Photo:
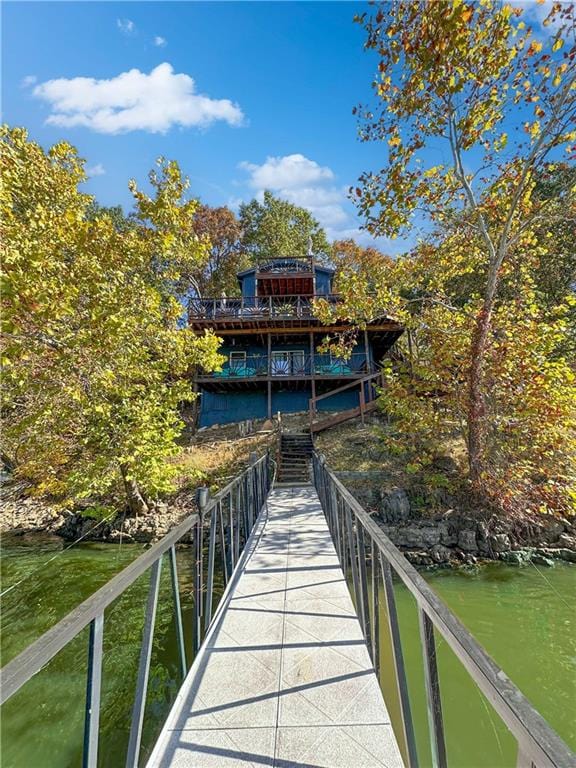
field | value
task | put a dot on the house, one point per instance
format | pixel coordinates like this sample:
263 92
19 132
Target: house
271 339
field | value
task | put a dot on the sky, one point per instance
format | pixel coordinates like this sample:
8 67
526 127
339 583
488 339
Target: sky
246 96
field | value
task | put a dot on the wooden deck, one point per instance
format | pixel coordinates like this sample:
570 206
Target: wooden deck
284 678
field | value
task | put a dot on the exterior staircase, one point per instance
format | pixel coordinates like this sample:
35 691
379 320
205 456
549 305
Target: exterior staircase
294 459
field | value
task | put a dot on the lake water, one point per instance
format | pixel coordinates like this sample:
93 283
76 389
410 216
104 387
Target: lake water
523 617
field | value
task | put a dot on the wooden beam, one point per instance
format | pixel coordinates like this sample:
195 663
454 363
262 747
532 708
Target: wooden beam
316 328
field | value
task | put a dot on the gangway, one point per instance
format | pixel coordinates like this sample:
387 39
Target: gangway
287 669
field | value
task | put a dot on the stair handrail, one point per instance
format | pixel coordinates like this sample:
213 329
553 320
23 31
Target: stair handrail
312 410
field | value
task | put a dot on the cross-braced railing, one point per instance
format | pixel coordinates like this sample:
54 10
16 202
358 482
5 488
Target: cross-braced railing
224 522
362 546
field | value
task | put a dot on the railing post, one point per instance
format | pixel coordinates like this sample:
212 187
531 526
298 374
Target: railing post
375 580
523 760
398 656
238 521
363 581
210 573
202 501
143 668
220 515
93 689
353 560
433 701
177 610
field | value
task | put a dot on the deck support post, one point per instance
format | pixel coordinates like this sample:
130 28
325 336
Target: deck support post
269 352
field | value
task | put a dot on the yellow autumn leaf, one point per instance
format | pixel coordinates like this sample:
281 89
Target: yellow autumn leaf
558 44
395 141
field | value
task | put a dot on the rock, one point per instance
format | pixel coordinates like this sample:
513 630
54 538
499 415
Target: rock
448 534
518 557
395 506
414 536
120 537
553 530
467 540
440 553
547 562
499 542
568 541
418 558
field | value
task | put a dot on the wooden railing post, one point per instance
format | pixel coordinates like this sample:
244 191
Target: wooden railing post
362 401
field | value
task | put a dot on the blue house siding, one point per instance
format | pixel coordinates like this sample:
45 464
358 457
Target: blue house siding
249 284
229 407
226 408
323 281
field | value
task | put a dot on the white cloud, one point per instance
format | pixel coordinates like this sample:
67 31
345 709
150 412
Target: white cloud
303 182
126 26
288 172
96 170
160 42
134 101
28 81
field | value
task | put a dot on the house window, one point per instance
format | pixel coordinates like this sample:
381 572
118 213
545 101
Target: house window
237 359
280 363
288 362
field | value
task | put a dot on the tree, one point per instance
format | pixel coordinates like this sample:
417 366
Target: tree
94 363
226 256
347 256
275 227
114 213
461 74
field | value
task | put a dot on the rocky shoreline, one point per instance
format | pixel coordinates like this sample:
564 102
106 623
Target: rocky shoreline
456 538
443 540
24 516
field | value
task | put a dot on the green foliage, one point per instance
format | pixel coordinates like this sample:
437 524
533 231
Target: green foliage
97 512
94 362
451 76
274 227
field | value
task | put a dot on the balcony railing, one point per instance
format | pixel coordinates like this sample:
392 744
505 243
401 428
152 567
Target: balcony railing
293 364
255 307
294 264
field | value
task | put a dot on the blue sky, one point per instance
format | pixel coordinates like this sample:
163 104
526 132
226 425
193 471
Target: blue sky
245 95
280 80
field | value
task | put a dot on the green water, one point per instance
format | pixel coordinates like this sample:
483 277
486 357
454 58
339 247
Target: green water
523 617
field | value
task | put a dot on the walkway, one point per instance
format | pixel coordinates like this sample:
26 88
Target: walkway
284 678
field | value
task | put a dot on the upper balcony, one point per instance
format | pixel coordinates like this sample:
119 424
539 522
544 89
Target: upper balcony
255 311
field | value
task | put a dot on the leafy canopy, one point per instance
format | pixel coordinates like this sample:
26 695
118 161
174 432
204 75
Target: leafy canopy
94 361
276 227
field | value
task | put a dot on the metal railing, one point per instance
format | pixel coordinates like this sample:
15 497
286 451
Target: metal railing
294 364
257 307
361 546
288 264
227 518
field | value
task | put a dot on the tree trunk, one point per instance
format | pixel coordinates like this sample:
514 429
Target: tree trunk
136 502
476 403
476 399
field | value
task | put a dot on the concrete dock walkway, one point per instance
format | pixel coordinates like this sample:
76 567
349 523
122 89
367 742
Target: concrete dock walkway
284 678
